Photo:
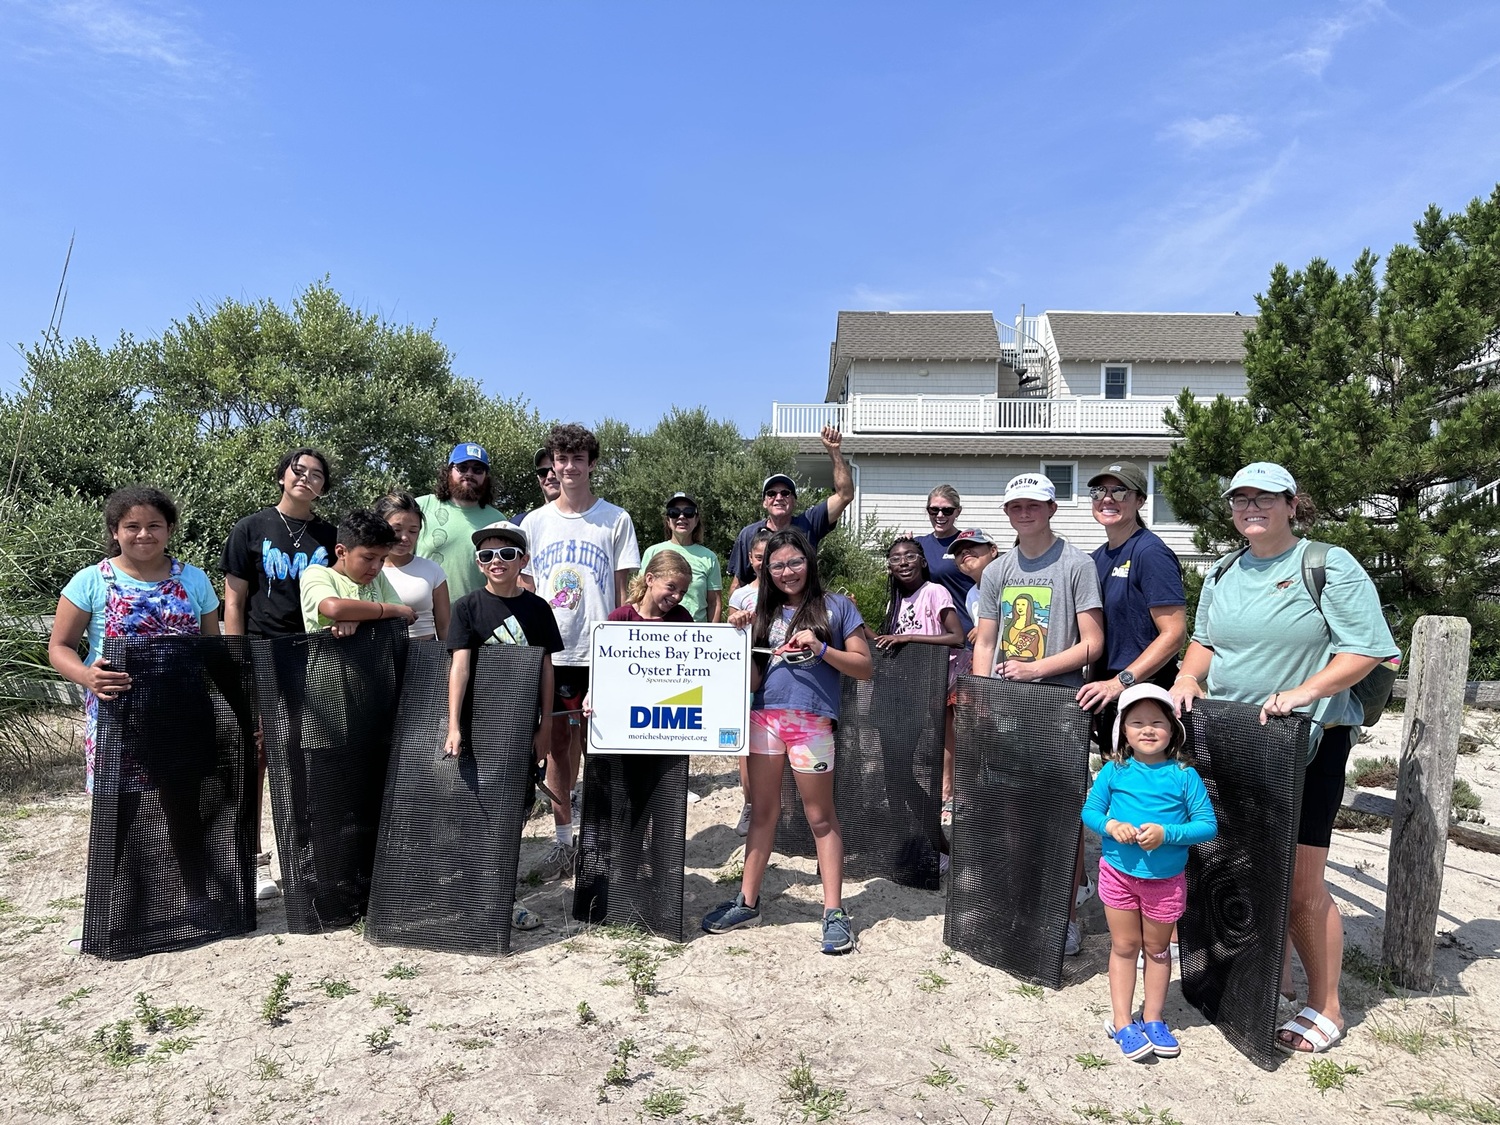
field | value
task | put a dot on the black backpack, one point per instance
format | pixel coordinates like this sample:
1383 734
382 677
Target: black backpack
1374 691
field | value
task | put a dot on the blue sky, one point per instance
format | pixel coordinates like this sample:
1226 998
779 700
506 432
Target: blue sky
614 208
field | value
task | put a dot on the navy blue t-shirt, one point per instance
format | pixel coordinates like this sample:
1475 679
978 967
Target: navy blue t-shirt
813 523
945 573
1134 578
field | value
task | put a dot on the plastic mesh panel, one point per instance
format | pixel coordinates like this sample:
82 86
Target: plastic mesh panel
1239 884
450 833
631 848
328 708
1020 775
888 771
172 836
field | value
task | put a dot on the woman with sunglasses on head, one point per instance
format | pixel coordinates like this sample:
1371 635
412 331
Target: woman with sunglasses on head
807 640
1259 638
683 522
419 583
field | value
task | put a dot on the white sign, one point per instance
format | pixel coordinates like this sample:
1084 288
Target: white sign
661 688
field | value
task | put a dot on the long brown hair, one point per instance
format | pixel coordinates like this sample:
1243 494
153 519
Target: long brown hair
811 614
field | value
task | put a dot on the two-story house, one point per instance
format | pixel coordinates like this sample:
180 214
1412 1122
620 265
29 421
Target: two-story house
929 398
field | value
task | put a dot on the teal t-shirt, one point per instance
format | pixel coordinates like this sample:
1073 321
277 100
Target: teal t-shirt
707 574
447 539
1268 636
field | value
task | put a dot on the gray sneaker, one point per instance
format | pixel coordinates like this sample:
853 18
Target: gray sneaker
743 827
556 864
731 916
1073 942
838 931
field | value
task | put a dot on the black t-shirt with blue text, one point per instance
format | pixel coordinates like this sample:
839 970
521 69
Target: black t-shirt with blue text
270 551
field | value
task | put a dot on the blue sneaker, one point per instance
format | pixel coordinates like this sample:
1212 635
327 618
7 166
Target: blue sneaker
1132 1042
838 931
730 916
1160 1036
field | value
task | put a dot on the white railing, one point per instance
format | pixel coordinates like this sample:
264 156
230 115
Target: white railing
1031 328
973 414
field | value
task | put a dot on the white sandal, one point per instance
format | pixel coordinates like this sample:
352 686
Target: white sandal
523 919
1323 1033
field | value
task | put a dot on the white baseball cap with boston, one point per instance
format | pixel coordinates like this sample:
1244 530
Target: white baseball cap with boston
1029 486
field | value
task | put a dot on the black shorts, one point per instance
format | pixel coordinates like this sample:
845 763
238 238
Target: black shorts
1323 787
569 686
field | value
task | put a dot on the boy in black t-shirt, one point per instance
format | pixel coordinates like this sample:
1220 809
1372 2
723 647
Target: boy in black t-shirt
502 613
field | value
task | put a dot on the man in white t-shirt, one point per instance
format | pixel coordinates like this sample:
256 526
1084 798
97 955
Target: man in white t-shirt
583 552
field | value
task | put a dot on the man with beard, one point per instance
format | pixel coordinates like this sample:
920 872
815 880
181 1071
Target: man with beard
460 505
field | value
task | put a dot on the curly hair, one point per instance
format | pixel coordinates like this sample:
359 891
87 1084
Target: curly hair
573 438
121 500
893 591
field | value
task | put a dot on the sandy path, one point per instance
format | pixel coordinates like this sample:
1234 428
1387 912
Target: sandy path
895 1027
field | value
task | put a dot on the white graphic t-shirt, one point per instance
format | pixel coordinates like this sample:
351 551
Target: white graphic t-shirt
573 562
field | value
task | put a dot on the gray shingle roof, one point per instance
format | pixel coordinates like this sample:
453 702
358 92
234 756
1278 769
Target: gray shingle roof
932 336
1144 337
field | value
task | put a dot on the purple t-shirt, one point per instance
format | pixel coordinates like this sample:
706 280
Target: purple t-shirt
807 687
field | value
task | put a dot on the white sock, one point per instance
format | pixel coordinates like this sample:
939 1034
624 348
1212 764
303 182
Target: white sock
565 834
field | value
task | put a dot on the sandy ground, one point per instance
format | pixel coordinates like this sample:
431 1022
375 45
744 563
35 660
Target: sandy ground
753 1026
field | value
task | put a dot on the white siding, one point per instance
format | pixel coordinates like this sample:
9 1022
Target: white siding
899 377
1152 380
894 490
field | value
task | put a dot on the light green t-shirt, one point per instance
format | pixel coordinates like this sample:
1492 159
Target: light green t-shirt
1268 636
319 582
707 574
447 539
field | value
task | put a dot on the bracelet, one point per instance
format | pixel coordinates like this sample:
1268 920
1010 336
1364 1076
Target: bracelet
382 611
1188 676
824 652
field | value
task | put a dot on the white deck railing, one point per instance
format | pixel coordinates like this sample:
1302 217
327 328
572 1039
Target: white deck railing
973 414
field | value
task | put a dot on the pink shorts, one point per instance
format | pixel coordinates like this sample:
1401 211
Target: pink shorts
804 737
1161 900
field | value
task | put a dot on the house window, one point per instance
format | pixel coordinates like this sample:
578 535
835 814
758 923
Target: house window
1161 509
1062 474
1116 380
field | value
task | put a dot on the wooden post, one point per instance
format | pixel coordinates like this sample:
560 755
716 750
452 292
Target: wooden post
1434 718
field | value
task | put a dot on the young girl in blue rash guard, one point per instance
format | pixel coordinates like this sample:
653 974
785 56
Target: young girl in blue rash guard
1148 804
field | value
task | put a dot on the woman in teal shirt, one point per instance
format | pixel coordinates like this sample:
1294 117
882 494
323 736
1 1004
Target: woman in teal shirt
1259 638
683 523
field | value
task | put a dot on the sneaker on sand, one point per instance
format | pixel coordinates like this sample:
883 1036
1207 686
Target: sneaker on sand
731 916
838 931
1084 892
265 886
1073 942
523 919
743 827
556 864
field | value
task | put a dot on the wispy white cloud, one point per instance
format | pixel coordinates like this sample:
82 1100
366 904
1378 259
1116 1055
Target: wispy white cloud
869 297
107 27
1314 51
1440 92
1201 132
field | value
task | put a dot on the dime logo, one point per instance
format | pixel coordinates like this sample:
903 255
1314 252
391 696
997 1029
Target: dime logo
680 712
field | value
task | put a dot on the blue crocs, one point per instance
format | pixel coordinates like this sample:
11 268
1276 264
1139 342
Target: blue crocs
1132 1042
1160 1036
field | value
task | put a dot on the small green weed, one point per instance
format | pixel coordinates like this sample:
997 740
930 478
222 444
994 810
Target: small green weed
816 1103
1465 801
176 1045
336 989
947 957
276 1005
1414 1040
618 1073
675 1058
1145 1115
1091 1061
736 950
1325 1074
401 971
664 1103
1486 1112
72 902
1029 991
1374 773
586 1014
945 1048
858 978
447 1119
930 981
730 874
74 997
266 1069
940 1077
1095 1112
379 1040
475 1043
1358 963
116 1042
640 967
997 1048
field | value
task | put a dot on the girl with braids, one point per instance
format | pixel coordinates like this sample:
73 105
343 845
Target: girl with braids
805 639
657 590
918 609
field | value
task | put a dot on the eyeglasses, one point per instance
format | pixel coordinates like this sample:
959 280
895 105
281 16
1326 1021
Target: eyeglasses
789 565
487 555
1116 494
940 510
681 513
780 493
313 475
903 557
1261 500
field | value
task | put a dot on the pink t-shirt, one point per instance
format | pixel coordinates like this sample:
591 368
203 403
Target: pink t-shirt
922 612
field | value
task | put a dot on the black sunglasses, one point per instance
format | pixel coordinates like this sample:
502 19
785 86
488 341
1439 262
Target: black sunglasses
681 513
778 493
939 510
544 471
487 555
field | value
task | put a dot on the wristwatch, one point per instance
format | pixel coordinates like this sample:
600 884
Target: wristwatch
1127 677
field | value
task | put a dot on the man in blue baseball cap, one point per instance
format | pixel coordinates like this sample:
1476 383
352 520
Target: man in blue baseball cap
461 504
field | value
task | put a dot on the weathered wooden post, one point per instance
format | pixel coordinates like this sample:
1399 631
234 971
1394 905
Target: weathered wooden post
1437 670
